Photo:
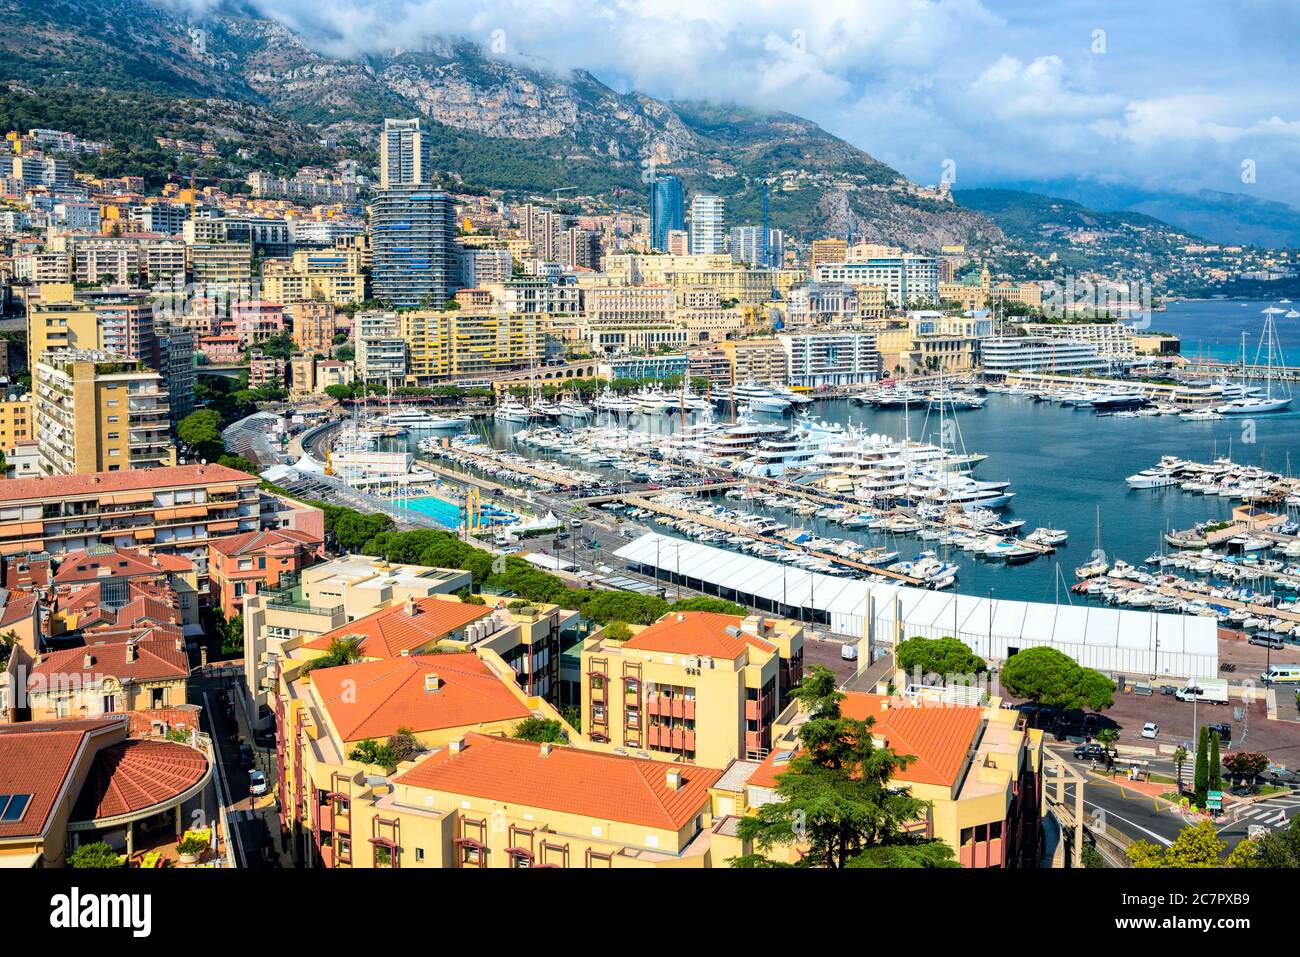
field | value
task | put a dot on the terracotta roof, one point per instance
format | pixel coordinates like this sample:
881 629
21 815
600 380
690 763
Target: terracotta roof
36 758
46 487
387 633
255 541
136 774
155 658
98 564
697 633
21 573
372 699
939 737
608 787
17 607
173 563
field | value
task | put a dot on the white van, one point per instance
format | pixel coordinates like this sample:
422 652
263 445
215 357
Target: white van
1281 674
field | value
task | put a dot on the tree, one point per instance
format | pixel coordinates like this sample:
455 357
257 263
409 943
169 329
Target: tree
1046 676
1201 776
402 746
1279 849
1216 765
618 631
92 856
1245 854
1180 759
201 431
341 651
540 730
1197 845
718 606
1247 765
1107 738
240 463
838 802
941 656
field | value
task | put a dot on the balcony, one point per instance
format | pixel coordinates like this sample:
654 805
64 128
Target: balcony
670 739
665 707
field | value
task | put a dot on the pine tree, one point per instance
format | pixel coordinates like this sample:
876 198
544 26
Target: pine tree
1201 779
1216 765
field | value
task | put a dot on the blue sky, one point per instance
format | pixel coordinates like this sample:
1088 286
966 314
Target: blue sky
1150 93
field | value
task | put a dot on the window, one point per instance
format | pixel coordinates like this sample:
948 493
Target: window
596 859
12 806
419 855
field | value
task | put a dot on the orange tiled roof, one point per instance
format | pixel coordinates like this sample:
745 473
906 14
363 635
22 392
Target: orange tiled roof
36 758
391 631
372 699
252 541
155 658
136 774
697 633
47 487
17 608
608 787
939 737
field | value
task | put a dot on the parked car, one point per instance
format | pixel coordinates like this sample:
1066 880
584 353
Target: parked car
849 651
1093 752
1223 730
256 783
1266 641
1168 689
245 756
1150 729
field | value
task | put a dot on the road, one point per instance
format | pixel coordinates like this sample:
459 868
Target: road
249 817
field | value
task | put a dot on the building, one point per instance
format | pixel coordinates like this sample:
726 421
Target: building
413 237
176 363
312 375
480 266
73 781
99 412
764 361
622 318
817 359
381 351
401 154
1110 340
331 276
240 566
222 268
700 686
978 768
667 210
58 320
172 511
909 279
445 346
499 802
828 251
264 371
15 423
323 597
1058 356
141 670
706 227
313 326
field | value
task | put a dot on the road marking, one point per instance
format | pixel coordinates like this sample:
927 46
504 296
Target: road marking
1119 817
223 793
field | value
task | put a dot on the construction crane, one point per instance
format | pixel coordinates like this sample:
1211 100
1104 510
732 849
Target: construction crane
563 189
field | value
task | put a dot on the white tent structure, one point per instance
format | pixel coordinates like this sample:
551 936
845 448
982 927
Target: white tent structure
1107 639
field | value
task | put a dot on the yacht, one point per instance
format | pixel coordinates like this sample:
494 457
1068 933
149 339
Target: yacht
759 398
955 401
1151 478
609 401
654 401
512 410
573 409
1270 350
417 419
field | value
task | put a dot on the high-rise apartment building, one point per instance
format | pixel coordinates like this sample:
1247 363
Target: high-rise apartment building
667 210
707 217
401 154
98 411
313 326
415 256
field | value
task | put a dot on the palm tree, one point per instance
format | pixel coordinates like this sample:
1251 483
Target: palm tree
1107 737
1180 758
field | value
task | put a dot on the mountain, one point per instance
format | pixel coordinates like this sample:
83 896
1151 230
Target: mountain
1225 218
1081 239
492 122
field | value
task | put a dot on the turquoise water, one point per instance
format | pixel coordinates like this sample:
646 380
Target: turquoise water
445 513
1064 463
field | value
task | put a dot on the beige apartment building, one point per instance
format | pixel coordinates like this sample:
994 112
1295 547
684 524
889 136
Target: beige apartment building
15 423
99 412
328 275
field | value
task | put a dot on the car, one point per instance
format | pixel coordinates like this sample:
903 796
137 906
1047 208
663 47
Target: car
1223 730
1150 729
1168 690
849 651
264 739
245 756
256 782
1093 752
575 523
1266 641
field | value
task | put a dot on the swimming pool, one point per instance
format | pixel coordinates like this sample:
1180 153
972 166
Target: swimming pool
449 514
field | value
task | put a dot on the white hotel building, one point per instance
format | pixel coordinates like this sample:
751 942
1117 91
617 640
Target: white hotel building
831 358
1003 354
907 279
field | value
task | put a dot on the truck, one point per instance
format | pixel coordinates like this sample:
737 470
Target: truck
1213 690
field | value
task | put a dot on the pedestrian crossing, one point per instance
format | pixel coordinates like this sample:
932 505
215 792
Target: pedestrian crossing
1272 812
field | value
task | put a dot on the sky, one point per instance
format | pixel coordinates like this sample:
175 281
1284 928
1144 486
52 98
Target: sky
1175 95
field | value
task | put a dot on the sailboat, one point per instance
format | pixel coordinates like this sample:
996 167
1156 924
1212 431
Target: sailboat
1097 565
1271 349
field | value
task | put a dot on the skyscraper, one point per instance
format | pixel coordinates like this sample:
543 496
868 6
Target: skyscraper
414 253
667 210
401 154
707 225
